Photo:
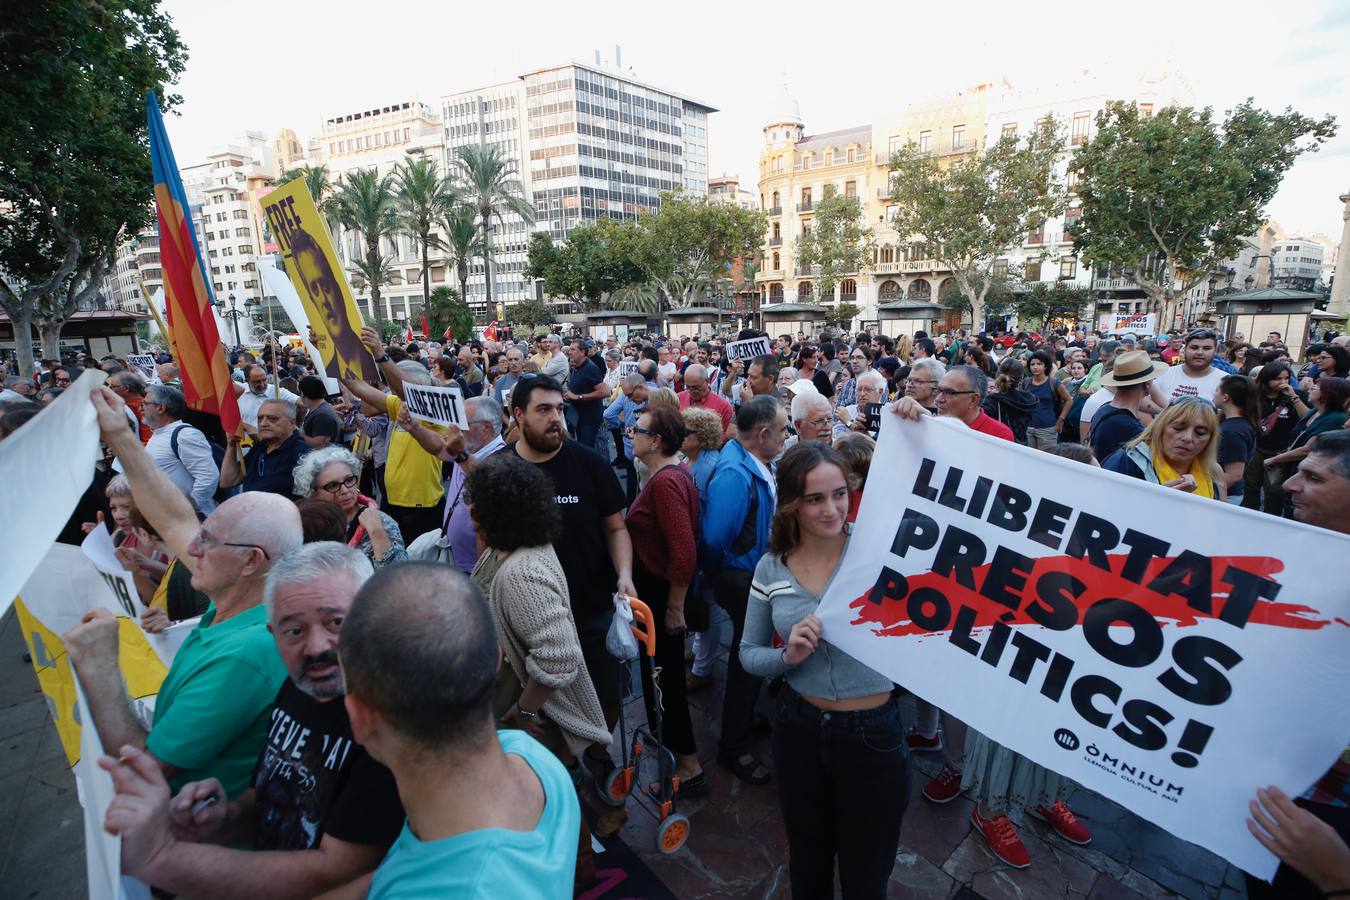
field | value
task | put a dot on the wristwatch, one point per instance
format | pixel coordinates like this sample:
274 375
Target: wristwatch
461 456
382 360
525 713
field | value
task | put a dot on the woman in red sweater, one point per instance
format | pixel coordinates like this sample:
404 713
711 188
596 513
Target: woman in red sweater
662 523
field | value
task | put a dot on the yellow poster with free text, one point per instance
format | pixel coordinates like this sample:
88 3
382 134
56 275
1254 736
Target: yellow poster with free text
312 263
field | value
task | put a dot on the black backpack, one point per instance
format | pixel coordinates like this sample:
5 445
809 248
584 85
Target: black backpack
217 454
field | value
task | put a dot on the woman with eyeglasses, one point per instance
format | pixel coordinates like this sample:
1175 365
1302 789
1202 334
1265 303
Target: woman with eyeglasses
332 474
662 523
1328 398
1280 410
1179 449
1333 361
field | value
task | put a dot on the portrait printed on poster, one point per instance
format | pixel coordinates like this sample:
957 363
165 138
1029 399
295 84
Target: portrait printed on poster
313 267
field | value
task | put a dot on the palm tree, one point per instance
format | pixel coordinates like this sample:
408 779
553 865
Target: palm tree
364 202
487 183
316 179
462 243
421 194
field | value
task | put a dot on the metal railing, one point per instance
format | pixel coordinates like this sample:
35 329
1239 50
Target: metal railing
775 210
776 242
805 207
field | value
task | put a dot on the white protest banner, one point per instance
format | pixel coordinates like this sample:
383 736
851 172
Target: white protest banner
627 367
68 582
435 404
276 283
102 851
1134 323
47 465
1141 641
748 349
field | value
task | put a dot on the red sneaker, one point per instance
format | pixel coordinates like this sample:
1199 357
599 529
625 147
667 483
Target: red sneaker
1002 839
1062 819
917 743
946 787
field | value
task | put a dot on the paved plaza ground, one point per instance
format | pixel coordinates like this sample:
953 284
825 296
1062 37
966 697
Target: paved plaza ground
736 849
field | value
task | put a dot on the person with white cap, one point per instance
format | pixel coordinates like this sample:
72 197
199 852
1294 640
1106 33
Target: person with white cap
1118 421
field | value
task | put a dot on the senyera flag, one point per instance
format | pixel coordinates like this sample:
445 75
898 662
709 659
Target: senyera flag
187 289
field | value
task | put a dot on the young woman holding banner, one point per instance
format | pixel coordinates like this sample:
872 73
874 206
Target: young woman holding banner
838 745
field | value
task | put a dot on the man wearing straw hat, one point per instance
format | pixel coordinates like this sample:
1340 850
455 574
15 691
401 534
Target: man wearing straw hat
1118 421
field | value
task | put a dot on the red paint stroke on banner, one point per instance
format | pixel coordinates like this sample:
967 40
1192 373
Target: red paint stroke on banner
893 615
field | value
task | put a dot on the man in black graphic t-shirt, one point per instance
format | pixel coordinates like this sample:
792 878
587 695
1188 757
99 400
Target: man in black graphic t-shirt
321 809
594 548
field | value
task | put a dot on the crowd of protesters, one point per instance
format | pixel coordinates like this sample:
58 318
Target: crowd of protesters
399 684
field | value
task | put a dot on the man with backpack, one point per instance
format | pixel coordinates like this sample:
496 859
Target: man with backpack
179 450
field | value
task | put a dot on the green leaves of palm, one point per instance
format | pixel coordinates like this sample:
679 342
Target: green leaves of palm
486 182
365 202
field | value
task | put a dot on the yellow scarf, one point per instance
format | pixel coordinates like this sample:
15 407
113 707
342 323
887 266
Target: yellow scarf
1204 483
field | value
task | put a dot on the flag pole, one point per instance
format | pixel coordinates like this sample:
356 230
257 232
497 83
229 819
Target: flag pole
159 319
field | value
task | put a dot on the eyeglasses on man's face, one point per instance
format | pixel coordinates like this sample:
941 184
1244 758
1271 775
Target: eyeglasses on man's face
205 542
949 393
634 429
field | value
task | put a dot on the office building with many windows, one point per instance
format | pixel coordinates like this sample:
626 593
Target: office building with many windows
588 141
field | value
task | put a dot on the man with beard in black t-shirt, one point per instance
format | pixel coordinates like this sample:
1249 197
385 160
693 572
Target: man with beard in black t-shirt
321 812
594 548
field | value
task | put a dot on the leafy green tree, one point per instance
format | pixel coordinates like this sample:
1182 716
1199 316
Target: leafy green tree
971 210
688 242
529 312
839 243
364 202
595 261
448 310
74 160
487 182
1041 303
462 242
421 195
1170 196
843 314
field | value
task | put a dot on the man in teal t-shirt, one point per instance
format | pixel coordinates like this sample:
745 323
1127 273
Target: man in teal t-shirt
211 712
490 814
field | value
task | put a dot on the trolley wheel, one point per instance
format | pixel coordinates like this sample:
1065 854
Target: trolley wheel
615 790
672 833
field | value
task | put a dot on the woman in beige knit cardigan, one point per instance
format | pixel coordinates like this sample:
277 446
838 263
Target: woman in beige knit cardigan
543 688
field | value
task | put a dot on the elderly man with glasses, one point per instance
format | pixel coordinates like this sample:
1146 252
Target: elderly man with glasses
213 708
959 395
859 361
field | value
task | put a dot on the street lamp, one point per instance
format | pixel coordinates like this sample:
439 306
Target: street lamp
234 313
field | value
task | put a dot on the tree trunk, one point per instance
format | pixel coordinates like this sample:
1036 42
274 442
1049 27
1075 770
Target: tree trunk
462 271
372 261
49 331
426 276
23 340
487 257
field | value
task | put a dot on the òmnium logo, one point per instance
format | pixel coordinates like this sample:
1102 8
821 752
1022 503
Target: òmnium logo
1066 739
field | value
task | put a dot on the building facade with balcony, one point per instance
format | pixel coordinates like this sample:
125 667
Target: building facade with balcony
795 170
743 298
951 127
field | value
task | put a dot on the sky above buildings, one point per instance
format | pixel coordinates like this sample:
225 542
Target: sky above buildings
267 65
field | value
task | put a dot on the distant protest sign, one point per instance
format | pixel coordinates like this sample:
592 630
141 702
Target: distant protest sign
435 404
1141 641
749 349
146 364
316 272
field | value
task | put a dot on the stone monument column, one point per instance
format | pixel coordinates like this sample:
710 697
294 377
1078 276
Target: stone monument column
1340 290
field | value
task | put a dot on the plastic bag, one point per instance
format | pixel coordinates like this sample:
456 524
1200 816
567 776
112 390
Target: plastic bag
620 641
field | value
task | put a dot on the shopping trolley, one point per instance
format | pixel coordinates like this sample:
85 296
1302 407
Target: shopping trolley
647 770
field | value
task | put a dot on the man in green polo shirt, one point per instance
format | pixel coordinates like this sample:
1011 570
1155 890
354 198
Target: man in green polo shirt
211 714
